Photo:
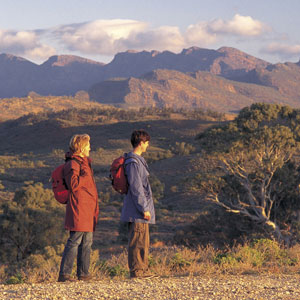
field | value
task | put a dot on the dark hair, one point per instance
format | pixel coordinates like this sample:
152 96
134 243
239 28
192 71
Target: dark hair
139 136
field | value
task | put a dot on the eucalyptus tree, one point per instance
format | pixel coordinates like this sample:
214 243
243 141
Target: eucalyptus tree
252 153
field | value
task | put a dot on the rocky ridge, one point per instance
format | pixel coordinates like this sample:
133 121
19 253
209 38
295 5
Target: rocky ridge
67 74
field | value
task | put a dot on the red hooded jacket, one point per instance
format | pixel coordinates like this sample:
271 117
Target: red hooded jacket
82 208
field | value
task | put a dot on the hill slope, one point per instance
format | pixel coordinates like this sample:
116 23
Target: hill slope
35 145
283 77
167 88
13 108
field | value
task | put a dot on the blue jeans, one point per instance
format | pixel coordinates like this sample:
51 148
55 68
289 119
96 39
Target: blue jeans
79 244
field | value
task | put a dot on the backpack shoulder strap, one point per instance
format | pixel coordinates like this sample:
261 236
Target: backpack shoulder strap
68 166
129 160
73 159
77 160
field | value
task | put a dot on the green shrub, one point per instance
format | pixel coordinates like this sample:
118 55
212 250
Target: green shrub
179 262
259 254
153 156
158 188
16 279
117 270
29 223
182 148
116 266
40 164
225 259
251 256
59 153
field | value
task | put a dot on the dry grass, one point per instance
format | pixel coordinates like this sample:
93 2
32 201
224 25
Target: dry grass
260 257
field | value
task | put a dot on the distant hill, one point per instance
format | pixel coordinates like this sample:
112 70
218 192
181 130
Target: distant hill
59 75
227 62
67 74
17 76
226 79
167 88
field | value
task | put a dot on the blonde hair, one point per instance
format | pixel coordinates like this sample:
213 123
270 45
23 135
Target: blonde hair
78 142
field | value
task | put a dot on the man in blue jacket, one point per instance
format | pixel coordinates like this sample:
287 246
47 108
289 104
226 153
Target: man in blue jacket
138 207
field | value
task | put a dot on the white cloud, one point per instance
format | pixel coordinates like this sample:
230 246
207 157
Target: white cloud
16 41
239 26
110 36
24 43
200 34
282 50
210 32
40 52
107 37
99 37
161 38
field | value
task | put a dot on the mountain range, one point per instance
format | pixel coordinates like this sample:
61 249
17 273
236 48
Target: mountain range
223 79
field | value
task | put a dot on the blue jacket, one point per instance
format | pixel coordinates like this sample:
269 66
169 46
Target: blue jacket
139 196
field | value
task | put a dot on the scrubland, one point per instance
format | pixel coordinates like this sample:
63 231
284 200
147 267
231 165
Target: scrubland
194 240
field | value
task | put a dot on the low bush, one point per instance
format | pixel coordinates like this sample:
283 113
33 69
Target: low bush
182 148
262 255
29 223
158 155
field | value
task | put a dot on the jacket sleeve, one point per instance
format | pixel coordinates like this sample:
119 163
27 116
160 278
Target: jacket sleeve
96 214
136 188
75 176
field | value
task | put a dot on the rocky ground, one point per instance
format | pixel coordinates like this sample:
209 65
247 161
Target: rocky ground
273 287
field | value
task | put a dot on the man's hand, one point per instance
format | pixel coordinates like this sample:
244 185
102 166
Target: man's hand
147 215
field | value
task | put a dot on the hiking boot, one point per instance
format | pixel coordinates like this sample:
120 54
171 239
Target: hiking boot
85 277
64 278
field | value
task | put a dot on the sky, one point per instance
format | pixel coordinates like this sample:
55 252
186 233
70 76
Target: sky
99 29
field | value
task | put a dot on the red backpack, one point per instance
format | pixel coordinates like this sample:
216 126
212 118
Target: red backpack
59 186
117 175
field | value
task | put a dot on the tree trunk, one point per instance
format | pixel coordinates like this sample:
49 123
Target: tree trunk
277 232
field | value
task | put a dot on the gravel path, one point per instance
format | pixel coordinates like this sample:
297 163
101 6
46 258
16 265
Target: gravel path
214 288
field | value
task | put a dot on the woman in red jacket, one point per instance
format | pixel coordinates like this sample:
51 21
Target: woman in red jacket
81 211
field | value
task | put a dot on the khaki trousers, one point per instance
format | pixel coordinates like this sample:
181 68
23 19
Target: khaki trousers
138 248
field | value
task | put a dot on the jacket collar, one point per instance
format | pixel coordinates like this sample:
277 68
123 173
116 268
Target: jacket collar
138 157
133 155
70 155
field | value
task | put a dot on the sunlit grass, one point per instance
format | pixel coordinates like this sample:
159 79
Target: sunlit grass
262 256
